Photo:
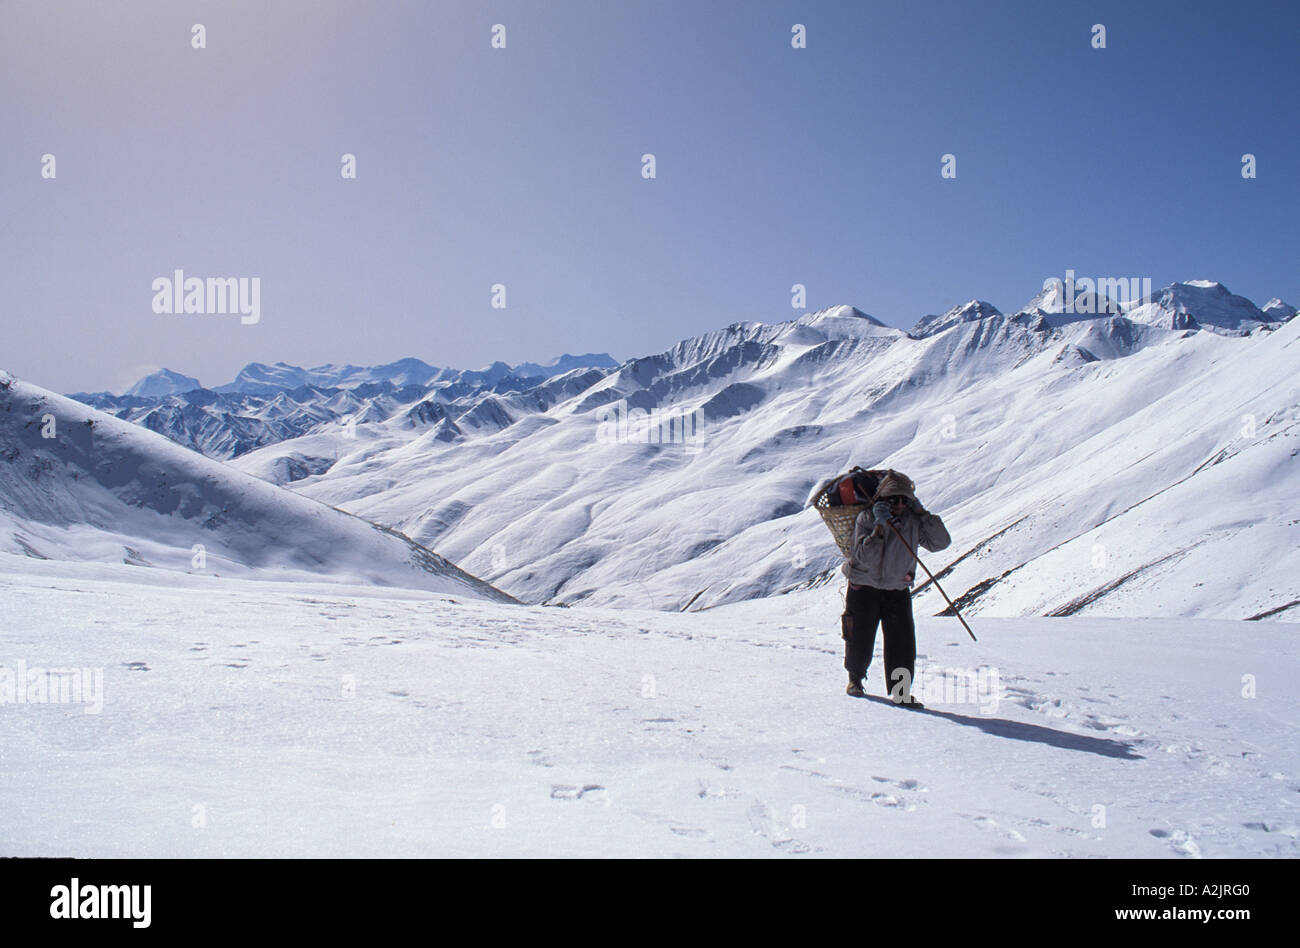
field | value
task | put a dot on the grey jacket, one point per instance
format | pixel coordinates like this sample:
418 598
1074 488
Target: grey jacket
883 562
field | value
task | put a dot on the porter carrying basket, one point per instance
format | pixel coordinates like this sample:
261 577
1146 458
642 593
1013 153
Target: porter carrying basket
840 499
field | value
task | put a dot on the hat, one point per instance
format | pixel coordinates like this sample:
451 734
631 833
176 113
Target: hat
895 484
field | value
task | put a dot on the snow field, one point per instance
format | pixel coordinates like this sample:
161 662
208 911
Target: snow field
247 718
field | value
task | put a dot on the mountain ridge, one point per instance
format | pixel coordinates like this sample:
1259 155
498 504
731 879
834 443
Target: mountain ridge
673 480
677 525
80 485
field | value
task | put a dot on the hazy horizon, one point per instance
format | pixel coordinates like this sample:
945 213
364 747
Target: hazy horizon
522 166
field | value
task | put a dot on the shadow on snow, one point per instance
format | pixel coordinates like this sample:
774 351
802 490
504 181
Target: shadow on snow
1019 731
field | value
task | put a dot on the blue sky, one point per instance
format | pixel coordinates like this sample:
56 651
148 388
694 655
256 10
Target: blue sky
522 166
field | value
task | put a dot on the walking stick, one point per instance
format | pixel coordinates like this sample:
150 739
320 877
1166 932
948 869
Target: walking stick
899 534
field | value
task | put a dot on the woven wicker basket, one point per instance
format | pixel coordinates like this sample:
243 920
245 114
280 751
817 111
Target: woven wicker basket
840 521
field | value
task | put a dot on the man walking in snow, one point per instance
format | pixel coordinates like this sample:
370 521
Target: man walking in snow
880 573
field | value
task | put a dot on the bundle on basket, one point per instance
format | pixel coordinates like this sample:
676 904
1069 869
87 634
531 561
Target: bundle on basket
840 499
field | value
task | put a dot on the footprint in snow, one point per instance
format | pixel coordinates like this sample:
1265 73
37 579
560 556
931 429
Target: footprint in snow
878 798
1180 841
805 771
136 666
763 822
886 799
988 824
564 791
1286 829
792 846
907 784
710 791
1040 823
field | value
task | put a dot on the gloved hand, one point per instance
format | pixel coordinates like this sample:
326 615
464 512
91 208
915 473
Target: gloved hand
880 512
916 506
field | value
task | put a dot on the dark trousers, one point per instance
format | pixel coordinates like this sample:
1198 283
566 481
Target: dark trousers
866 607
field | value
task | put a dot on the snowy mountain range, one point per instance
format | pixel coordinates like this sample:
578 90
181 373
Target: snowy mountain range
266 404
77 484
1126 459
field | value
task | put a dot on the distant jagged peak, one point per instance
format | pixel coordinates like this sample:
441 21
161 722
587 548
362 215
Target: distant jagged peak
839 323
1192 292
839 311
1051 299
1277 310
972 310
410 362
495 368
566 363
1199 304
259 378
967 312
1083 297
163 382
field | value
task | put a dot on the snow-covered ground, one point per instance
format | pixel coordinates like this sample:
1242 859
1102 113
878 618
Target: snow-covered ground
246 718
